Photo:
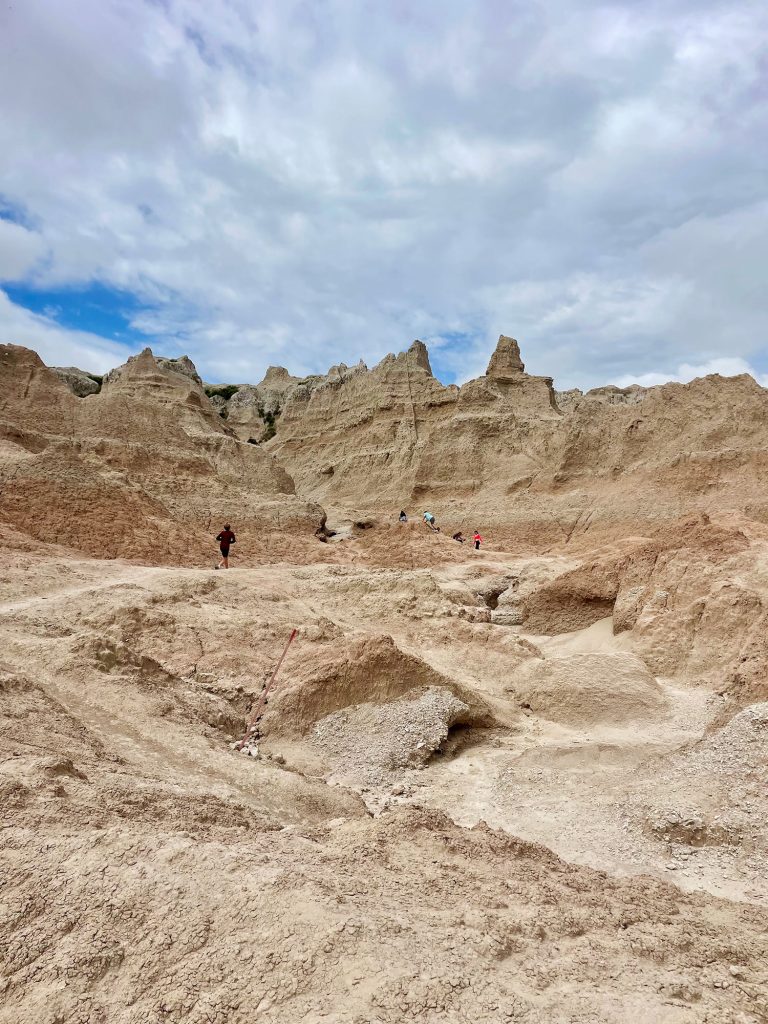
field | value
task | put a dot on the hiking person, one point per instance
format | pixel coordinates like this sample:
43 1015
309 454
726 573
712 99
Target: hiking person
403 517
477 540
459 537
226 538
429 519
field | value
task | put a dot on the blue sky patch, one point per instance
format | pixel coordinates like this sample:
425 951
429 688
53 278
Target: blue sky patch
96 308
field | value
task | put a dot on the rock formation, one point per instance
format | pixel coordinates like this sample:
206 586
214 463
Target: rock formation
183 364
539 467
503 451
252 409
79 382
505 363
522 784
144 469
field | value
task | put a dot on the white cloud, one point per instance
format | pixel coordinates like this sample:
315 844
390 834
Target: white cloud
726 367
20 250
55 345
288 182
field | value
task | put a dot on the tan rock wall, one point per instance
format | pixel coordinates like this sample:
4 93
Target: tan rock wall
500 454
145 469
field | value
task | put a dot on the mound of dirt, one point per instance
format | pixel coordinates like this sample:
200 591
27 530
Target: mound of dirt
402 546
732 805
368 671
29 716
589 689
370 745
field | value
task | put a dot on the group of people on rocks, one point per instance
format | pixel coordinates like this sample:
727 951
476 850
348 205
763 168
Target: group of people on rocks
227 538
429 521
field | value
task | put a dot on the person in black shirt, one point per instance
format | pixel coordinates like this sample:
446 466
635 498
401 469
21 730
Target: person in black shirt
225 539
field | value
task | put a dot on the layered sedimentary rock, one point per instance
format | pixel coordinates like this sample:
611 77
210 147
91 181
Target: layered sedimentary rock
354 436
146 468
183 365
396 435
252 409
506 363
502 452
609 394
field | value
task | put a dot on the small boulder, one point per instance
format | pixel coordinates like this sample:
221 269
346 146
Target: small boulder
78 381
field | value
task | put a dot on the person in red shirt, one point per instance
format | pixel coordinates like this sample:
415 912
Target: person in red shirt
476 540
226 538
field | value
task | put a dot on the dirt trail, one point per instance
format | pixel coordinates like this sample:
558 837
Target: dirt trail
121 574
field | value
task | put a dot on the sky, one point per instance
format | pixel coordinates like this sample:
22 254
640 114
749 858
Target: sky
308 182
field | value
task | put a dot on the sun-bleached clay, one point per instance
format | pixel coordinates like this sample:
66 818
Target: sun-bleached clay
589 689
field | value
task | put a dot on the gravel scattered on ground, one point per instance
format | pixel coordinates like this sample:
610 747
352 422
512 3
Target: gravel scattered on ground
376 746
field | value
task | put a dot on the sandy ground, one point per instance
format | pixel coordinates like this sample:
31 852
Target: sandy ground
151 872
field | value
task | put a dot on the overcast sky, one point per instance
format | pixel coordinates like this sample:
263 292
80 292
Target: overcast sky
304 183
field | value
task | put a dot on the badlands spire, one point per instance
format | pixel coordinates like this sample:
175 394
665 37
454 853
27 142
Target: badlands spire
505 361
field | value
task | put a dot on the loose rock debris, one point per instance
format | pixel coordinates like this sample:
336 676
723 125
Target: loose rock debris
521 784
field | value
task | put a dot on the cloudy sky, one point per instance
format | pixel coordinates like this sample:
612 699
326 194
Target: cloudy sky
305 182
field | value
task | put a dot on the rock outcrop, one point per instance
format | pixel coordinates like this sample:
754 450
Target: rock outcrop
252 410
504 451
79 382
609 394
182 364
144 469
505 363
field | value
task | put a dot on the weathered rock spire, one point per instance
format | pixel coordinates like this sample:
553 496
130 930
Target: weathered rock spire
505 361
419 355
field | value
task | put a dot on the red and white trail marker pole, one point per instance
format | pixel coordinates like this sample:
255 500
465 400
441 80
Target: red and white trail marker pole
261 702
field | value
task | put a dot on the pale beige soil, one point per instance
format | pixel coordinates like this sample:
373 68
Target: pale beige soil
524 784
152 873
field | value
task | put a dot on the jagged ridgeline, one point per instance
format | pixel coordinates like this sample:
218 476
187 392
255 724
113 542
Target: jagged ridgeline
504 451
142 467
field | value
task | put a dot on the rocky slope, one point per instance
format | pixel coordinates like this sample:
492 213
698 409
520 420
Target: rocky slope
504 454
145 468
520 784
